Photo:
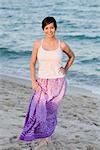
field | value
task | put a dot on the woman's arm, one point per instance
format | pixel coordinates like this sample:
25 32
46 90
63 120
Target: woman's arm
33 65
66 49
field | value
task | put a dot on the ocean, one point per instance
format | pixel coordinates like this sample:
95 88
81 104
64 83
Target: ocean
78 25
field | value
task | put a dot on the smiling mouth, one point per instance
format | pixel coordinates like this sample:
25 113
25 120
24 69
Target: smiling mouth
50 34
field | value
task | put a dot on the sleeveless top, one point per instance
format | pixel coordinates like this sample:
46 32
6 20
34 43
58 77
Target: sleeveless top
49 62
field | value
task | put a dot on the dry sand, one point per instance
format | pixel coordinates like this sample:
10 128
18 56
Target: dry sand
78 119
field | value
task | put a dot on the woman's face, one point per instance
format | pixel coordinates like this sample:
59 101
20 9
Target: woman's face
49 30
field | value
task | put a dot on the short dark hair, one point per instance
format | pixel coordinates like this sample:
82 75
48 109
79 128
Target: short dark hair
49 20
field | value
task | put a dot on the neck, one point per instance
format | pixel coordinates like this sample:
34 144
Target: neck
50 39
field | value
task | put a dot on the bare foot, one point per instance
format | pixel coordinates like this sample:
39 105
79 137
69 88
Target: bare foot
41 144
48 139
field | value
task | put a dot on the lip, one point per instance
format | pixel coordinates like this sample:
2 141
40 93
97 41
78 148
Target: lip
50 34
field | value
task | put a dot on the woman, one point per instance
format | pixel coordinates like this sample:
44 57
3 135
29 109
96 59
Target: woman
41 118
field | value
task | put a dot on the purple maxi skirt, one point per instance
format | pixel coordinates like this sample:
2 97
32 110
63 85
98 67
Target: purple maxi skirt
41 118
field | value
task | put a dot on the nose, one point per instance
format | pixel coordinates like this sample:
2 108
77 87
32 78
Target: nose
50 30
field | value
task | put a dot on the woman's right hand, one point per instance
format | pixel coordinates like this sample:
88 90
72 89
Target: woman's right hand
35 86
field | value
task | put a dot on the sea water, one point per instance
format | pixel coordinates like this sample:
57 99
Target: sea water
78 25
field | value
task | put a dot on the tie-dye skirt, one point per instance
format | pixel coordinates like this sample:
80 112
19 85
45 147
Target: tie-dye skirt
41 118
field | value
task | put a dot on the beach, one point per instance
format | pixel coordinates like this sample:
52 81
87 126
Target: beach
78 24
78 125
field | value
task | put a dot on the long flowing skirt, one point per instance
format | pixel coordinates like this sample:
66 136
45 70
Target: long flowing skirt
41 117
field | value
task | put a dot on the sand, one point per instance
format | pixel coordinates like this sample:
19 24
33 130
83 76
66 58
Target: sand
78 119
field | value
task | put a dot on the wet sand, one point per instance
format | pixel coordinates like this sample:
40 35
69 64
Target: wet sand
78 119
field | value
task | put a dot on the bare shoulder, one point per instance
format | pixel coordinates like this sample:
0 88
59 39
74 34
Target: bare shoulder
64 45
66 49
37 43
36 46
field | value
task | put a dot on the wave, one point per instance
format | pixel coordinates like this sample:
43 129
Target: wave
9 8
92 60
89 79
5 52
82 37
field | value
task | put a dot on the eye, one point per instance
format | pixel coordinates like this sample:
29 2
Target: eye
52 27
46 28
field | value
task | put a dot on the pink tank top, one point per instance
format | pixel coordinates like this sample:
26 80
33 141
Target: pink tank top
49 62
